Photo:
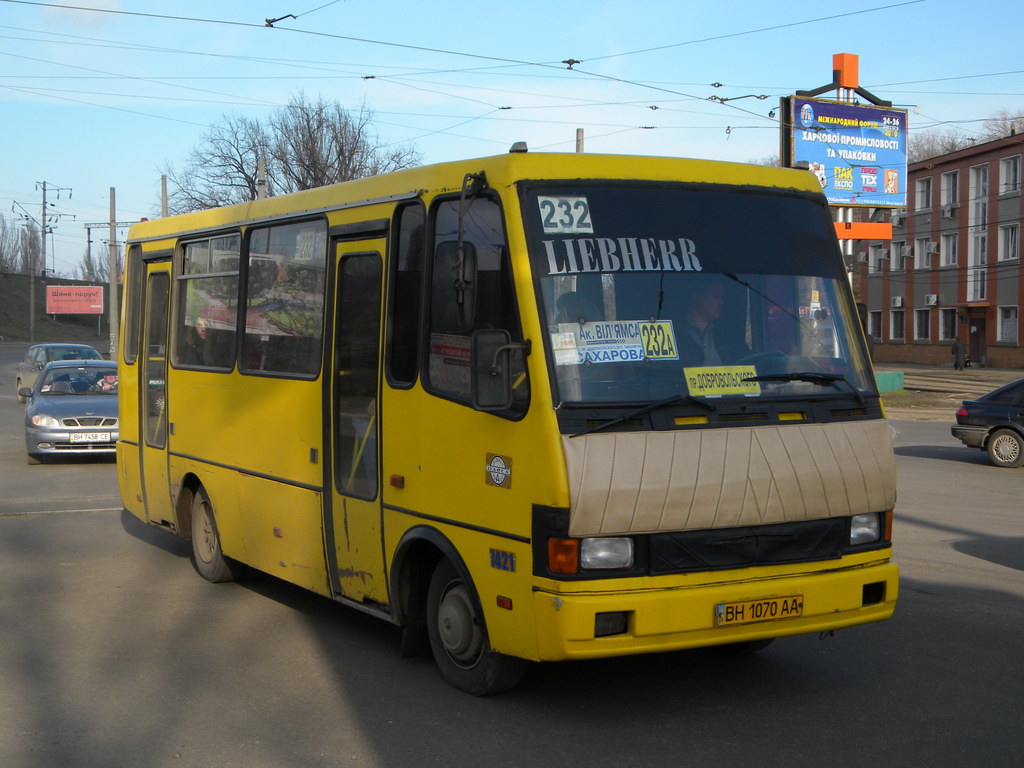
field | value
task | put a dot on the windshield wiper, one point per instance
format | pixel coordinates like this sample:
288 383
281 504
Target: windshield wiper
679 398
813 377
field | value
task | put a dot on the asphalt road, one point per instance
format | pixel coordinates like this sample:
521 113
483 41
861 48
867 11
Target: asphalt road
114 652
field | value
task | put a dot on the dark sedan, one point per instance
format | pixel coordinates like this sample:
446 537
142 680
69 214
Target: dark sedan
72 409
995 423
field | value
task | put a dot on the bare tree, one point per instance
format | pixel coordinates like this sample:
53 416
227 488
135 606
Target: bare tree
9 246
221 169
921 146
30 257
1002 123
305 144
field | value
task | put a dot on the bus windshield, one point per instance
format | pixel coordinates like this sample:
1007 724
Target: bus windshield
708 291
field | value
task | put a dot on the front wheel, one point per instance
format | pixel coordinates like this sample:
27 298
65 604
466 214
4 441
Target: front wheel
1006 448
207 556
458 638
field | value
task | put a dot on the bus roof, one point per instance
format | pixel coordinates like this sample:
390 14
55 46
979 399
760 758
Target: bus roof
501 171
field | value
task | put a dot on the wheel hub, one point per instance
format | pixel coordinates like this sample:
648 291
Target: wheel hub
457 626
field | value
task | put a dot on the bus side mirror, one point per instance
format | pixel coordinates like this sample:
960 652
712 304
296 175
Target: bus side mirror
453 303
491 368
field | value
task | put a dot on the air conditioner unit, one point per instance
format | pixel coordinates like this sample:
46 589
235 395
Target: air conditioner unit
931 299
897 221
883 253
933 247
897 302
908 251
947 211
862 257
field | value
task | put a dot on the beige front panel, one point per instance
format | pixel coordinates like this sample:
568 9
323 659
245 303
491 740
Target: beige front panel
642 482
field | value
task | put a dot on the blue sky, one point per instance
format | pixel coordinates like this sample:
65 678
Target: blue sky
92 100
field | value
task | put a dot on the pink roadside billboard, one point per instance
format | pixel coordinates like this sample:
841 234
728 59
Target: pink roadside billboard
74 299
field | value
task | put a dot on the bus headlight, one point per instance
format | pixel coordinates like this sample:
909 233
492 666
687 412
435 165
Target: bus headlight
865 529
606 553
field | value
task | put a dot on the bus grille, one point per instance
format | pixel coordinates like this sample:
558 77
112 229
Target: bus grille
722 548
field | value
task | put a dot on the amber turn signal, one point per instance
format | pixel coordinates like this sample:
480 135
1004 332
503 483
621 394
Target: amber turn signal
563 555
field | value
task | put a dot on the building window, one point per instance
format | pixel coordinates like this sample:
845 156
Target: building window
947 324
949 252
1009 242
922 250
898 255
922 194
922 324
875 324
896 328
1007 324
979 196
976 273
1009 174
875 255
949 191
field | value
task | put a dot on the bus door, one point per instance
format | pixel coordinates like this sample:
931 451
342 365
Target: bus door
355 548
153 395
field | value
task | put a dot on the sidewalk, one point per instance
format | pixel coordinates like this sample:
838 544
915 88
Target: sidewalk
933 393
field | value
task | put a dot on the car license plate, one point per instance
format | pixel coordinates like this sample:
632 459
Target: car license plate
90 437
749 611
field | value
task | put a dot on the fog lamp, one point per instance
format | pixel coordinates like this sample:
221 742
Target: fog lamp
604 553
865 529
611 623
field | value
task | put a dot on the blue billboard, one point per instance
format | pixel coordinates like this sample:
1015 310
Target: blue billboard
858 152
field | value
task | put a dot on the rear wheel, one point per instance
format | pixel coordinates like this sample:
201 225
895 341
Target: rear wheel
458 638
1006 448
207 556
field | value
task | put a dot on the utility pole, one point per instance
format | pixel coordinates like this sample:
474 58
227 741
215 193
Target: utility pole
112 277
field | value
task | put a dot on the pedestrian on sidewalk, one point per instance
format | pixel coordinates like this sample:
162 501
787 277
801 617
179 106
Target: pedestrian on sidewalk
959 354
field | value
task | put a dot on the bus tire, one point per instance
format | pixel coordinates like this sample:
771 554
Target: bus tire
458 638
207 556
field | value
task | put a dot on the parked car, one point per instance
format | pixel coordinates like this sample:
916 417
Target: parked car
39 355
72 409
995 423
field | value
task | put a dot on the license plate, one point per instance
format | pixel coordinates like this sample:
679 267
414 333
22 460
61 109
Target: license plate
749 611
90 437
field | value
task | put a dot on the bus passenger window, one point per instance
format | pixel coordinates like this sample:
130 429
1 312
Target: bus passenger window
492 299
208 304
404 301
284 305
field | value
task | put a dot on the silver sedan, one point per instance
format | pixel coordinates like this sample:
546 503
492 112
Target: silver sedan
72 409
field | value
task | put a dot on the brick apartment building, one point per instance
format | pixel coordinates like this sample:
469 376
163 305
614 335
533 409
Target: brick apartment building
953 268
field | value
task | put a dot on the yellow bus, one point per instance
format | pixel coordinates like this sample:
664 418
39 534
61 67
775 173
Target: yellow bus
532 407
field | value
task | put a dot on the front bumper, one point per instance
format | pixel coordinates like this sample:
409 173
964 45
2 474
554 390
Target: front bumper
681 617
973 437
59 442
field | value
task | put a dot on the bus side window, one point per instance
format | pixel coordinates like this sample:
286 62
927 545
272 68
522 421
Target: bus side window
492 296
404 299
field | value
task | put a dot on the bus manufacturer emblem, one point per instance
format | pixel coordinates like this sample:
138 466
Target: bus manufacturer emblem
499 471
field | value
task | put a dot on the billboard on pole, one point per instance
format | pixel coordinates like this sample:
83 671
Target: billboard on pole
858 152
74 299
